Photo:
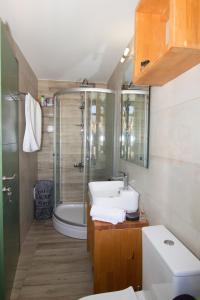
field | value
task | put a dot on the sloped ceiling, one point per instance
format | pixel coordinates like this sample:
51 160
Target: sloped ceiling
71 39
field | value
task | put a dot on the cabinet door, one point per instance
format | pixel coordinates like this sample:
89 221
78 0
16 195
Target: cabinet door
117 259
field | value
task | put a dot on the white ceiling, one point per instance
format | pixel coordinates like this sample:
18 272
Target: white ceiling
71 39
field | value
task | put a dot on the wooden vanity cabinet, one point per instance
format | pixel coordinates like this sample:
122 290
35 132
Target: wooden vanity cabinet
167 40
116 252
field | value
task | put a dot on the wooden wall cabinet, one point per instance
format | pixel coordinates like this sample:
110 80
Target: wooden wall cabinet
167 34
116 252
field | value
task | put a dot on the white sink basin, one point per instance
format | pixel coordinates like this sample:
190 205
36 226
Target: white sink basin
111 194
105 188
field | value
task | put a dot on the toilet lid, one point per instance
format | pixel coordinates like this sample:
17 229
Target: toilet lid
127 294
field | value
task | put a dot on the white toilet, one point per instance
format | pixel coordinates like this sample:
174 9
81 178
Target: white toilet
169 269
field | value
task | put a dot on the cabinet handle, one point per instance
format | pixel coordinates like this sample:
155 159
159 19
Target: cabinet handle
144 63
133 255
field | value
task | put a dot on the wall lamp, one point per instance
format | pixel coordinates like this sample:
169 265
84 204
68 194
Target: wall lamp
125 55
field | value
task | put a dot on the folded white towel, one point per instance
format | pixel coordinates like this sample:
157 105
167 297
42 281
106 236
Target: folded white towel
33 131
106 219
111 215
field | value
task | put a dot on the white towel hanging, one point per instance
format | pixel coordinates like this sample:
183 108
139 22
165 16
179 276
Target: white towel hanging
33 130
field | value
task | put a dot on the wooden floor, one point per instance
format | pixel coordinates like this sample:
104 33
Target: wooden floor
52 266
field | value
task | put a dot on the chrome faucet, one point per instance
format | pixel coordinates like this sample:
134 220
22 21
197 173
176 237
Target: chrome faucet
124 178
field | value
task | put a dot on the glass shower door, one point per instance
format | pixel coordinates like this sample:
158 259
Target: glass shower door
69 144
83 142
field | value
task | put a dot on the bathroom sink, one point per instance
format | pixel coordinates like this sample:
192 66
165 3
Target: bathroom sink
105 188
111 194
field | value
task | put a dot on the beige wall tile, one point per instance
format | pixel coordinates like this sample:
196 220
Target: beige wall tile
173 132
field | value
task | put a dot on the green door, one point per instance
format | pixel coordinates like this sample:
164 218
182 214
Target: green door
9 168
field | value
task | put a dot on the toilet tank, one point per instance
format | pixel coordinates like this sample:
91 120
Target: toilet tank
169 268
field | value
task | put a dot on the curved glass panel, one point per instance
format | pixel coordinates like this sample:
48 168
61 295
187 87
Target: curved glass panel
83 142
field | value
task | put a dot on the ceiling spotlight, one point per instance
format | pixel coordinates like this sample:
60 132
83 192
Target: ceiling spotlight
126 51
122 60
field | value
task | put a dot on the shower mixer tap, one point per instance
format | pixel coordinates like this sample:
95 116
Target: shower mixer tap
82 105
79 165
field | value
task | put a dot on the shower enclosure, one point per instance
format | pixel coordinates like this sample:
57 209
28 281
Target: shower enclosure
83 152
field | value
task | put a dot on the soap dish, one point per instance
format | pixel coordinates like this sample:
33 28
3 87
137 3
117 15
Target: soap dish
132 216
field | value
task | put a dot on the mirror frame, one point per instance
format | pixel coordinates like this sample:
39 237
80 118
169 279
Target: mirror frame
135 90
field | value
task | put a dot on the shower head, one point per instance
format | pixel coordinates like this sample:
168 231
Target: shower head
85 83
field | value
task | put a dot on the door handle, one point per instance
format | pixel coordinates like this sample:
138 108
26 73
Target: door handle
4 178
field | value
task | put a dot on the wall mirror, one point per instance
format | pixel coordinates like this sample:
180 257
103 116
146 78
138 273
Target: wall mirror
134 139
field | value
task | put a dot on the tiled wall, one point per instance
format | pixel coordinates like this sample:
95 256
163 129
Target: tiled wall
71 178
170 188
45 155
27 161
